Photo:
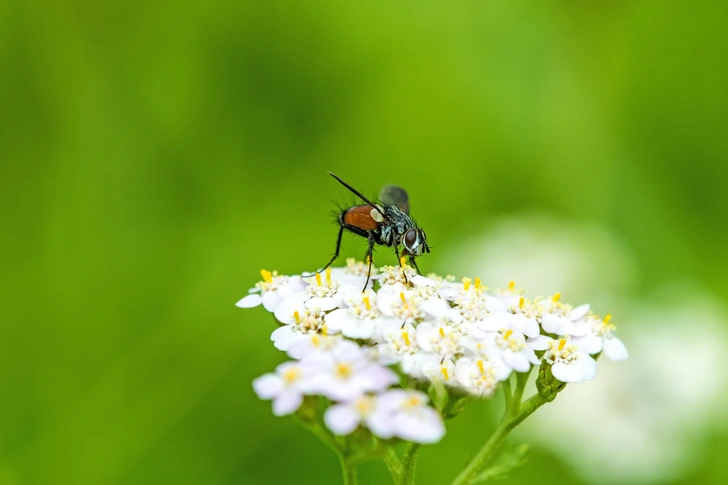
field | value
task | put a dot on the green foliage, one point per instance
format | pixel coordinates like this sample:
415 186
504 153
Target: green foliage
154 156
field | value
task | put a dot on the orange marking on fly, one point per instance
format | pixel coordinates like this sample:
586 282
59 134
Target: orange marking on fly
267 276
360 217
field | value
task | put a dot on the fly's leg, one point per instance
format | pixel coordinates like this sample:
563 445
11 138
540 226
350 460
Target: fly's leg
414 265
336 254
370 251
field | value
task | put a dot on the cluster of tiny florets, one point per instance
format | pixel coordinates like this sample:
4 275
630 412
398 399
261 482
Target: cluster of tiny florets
353 346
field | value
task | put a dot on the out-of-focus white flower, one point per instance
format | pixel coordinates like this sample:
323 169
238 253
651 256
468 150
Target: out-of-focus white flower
514 351
569 364
345 417
285 387
304 345
273 290
346 373
297 320
410 418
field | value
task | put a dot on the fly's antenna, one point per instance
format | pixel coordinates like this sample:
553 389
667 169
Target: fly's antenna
358 194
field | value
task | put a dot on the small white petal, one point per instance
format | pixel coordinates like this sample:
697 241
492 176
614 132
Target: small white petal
283 337
336 319
270 300
287 402
341 419
250 301
589 343
588 366
615 349
284 312
579 312
527 326
494 305
567 372
540 342
268 386
355 328
516 361
325 304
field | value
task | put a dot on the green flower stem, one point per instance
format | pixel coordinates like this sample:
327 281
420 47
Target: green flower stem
348 469
394 465
516 412
521 379
409 461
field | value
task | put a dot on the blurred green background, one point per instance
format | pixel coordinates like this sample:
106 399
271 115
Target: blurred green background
154 156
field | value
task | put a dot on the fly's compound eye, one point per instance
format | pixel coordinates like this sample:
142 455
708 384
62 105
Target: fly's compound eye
411 240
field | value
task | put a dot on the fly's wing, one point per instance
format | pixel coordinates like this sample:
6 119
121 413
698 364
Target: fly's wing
395 195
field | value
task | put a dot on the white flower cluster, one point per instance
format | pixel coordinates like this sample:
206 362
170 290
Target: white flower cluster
461 334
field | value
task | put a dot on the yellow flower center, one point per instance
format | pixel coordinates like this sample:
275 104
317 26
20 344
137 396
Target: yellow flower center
343 370
267 276
292 375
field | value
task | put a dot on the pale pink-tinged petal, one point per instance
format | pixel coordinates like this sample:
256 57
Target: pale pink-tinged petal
250 301
615 349
287 402
423 425
268 386
380 423
271 300
540 342
283 337
341 419
588 366
567 372
579 312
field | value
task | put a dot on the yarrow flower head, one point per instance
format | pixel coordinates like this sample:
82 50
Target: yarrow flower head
372 356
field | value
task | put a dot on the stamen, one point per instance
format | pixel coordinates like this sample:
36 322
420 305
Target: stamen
401 297
267 276
315 340
328 276
521 301
511 285
480 366
297 316
607 318
477 283
318 279
445 375
556 297
466 283
367 303
343 370
401 261
324 330
507 335
562 343
291 375
405 337
442 332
